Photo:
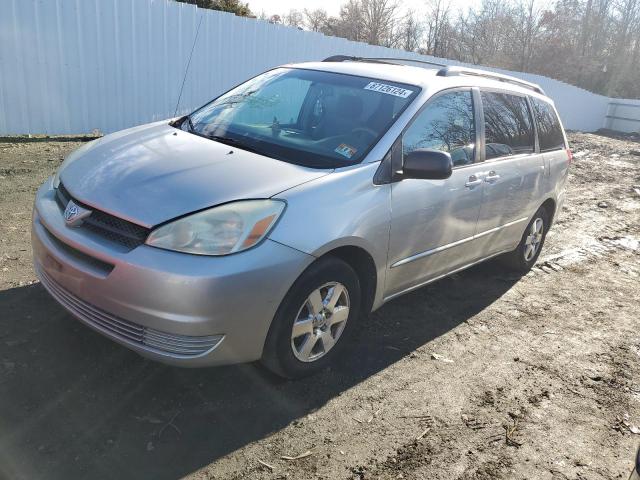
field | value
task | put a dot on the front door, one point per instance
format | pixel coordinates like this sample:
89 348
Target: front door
433 221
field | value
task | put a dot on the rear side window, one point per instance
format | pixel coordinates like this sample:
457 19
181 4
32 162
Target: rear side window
549 130
507 125
446 124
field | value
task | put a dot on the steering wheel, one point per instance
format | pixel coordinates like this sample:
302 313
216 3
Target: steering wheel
360 130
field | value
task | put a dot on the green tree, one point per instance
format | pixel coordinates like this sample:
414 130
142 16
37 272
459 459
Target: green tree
233 6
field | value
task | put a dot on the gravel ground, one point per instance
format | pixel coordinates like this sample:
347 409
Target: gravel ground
479 376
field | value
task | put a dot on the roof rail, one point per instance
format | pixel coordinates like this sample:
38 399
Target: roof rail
445 71
451 71
341 58
390 60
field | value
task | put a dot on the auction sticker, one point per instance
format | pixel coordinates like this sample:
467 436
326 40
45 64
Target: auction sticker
388 89
345 150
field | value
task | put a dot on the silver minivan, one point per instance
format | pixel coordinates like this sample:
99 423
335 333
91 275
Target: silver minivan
267 223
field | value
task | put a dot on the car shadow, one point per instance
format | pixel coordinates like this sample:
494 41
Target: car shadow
76 405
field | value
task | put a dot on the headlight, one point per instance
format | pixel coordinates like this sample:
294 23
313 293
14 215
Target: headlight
222 230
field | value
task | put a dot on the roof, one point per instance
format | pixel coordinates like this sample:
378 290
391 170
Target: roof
425 77
381 71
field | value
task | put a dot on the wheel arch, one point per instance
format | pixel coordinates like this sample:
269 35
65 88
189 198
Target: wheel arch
364 265
550 206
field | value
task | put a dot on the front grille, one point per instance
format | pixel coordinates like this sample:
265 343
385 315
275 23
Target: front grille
115 229
98 265
129 332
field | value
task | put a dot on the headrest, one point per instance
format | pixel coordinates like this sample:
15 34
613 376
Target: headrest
349 106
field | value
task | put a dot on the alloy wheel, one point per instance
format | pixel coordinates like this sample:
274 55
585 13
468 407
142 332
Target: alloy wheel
320 321
534 239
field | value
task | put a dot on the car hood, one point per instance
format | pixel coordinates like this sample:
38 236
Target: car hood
154 173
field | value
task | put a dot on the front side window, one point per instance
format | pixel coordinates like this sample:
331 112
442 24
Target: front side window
550 134
313 118
507 125
445 124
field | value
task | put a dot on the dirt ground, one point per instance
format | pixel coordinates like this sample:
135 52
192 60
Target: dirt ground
480 376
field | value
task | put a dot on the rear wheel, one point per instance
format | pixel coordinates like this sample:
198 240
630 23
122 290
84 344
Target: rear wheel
526 254
314 321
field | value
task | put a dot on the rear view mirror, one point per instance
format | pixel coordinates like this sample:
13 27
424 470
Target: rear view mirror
427 164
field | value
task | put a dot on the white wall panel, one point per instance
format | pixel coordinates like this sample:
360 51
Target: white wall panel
623 115
72 66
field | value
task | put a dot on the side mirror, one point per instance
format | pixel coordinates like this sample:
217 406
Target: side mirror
427 164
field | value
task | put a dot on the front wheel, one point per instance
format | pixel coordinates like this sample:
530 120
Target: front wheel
314 321
526 254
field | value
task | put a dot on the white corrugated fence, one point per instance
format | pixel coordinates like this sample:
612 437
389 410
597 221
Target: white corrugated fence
72 66
623 115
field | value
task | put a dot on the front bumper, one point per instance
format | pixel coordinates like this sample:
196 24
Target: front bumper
177 308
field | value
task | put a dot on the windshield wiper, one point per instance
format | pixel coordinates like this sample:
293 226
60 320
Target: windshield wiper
233 143
190 123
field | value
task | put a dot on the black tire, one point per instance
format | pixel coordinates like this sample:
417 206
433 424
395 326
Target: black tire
518 260
278 355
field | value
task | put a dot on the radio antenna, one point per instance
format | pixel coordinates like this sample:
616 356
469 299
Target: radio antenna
186 70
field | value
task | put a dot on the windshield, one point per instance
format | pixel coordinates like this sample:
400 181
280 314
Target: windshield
312 118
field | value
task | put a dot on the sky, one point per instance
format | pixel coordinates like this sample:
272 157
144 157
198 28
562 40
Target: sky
331 6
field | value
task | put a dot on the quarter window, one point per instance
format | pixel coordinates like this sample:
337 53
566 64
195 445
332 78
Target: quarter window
550 134
446 124
507 125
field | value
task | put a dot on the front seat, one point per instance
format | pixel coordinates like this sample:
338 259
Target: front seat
342 117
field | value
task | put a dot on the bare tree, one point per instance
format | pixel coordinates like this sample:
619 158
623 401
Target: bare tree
379 21
350 23
437 19
594 44
294 18
315 20
410 33
525 31
626 18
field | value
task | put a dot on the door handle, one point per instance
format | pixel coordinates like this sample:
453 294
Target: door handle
473 181
491 177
